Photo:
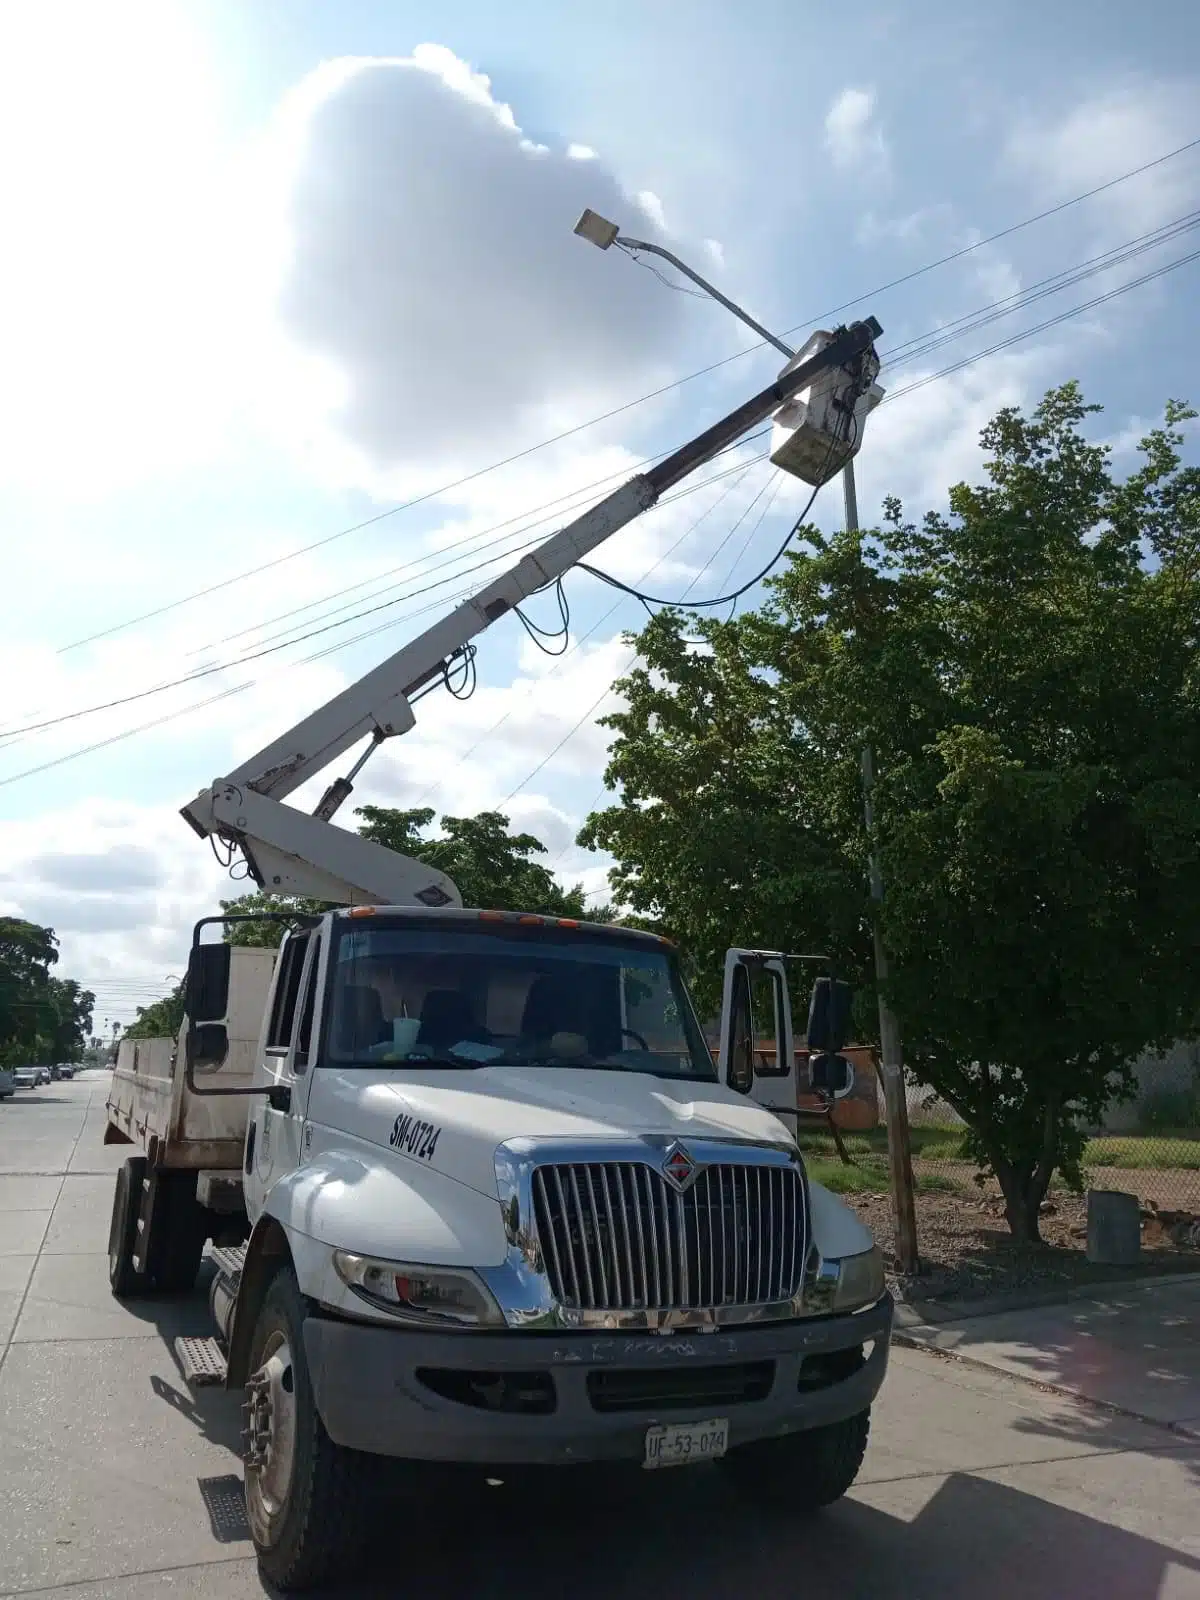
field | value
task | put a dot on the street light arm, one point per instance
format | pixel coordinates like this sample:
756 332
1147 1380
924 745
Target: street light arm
681 266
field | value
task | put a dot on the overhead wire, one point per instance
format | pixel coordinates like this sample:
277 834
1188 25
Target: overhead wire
240 688
10 736
919 383
896 394
608 689
463 480
600 621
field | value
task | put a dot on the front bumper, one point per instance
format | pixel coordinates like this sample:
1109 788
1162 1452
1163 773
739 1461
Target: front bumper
374 1386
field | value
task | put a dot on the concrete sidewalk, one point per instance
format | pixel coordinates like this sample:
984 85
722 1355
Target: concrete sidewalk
1134 1348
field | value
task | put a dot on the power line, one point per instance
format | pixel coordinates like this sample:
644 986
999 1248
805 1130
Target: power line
239 688
918 384
11 735
471 477
911 350
896 394
599 623
607 690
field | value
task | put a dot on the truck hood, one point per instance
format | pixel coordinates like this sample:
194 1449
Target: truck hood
453 1122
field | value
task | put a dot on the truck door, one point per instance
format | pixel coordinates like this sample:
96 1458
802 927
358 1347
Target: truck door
274 1136
758 1056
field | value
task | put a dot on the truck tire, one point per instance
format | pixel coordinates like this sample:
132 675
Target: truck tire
802 1471
178 1233
307 1498
123 1277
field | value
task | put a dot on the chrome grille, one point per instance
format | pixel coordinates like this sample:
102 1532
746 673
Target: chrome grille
615 1235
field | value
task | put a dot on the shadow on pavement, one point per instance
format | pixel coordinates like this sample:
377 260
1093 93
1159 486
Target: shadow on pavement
624 1537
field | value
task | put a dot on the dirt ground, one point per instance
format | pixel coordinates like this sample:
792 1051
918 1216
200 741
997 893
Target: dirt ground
967 1251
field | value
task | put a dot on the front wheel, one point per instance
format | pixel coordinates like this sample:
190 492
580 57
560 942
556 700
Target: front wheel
306 1497
802 1471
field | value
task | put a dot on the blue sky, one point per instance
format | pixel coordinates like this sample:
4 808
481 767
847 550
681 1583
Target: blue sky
262 294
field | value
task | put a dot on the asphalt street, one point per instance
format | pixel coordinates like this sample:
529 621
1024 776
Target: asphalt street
116 1481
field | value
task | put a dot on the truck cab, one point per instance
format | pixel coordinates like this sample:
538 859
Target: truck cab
504 1209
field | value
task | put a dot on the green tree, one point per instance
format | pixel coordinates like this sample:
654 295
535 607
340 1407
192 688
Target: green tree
43 1018
492 867
161 1020
1026 671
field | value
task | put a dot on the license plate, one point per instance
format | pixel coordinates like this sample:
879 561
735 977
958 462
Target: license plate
682 1444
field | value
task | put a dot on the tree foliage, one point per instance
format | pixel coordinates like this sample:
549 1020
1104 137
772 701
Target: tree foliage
1025 670
492 867
43 1019
161 1020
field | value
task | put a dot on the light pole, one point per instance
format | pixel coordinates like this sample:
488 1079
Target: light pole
604 234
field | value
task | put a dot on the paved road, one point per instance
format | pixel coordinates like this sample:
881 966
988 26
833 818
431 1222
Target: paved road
115 1482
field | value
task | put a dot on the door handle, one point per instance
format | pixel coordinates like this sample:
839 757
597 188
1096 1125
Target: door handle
280 1097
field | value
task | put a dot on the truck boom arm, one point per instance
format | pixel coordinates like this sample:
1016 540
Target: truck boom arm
289 852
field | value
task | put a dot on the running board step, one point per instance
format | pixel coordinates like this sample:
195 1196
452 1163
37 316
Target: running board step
229 1258
202 1361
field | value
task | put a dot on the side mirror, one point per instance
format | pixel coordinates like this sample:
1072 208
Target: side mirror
829 1016
206 997
831 1075
208 1046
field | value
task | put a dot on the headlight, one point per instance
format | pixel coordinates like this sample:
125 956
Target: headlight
431 1297
860 1280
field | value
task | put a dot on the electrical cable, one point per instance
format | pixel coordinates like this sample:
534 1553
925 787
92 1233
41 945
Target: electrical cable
11 735
896 394
827 472
598 624
916 349
568 433
607 690
911 350
548 511
250 683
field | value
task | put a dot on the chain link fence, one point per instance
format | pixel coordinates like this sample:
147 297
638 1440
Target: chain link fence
1149 1146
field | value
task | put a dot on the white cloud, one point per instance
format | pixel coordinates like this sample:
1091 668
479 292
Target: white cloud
124 921
852 136
580 152
1065 153
119 297
445 309
652 206
928 440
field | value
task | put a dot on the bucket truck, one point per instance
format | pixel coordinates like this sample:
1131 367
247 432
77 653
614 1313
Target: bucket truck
472 1186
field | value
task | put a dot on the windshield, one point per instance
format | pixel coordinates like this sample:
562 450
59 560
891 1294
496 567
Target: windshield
460 999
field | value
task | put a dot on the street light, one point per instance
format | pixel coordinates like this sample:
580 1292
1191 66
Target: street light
810 434
599 231
804 442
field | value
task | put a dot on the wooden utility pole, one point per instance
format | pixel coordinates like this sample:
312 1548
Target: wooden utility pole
890 1052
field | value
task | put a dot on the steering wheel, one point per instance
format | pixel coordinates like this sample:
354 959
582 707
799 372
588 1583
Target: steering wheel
641 1043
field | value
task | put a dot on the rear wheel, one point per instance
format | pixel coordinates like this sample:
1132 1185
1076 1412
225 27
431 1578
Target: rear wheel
802 1471
306 1497
123 1277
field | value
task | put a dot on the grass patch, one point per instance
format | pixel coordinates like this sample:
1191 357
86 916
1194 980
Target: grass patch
1143 1154
931 1143
870 1176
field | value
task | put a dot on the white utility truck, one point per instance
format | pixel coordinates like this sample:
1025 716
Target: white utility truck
475 1188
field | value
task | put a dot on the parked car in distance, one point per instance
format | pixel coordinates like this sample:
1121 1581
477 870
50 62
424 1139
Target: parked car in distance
65 1069
7 1084
44 1075
25 1077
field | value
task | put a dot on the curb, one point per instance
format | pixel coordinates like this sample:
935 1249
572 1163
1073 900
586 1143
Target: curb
934 1313
1189 1432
